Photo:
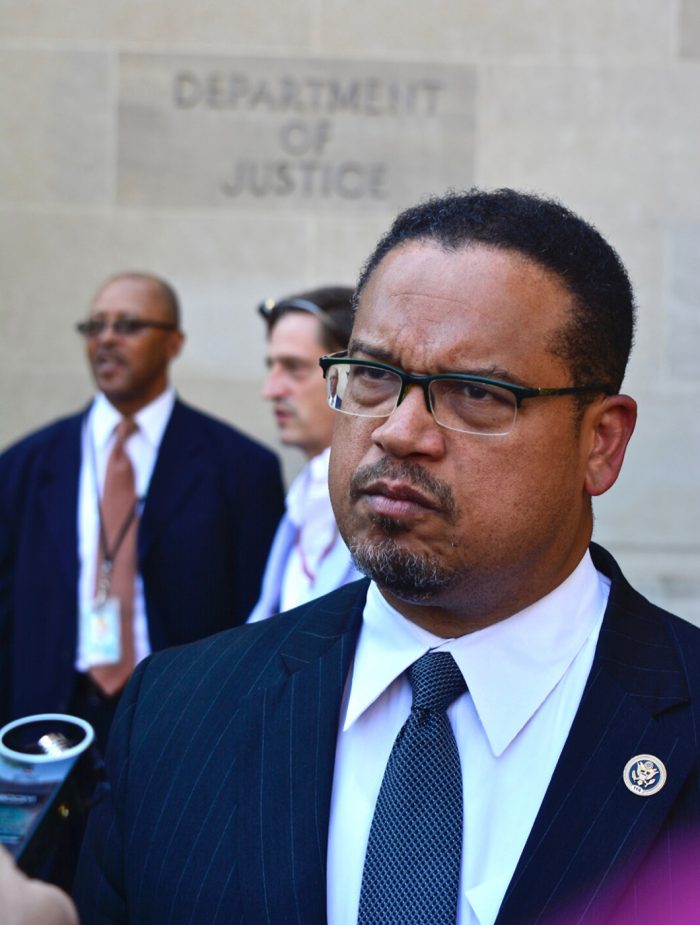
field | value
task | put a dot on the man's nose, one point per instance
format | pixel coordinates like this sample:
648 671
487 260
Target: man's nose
275 384
410 429
107 334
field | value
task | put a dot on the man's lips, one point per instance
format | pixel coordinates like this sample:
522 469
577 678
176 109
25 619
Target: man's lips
397 499
395 489
283 415
107 363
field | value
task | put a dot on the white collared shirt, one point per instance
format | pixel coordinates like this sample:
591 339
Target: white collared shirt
319 560
97 442
525 678
308 526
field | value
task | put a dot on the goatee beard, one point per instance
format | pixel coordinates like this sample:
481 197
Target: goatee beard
409 576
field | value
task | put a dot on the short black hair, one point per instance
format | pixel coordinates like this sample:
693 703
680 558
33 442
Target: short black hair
597 342
332 305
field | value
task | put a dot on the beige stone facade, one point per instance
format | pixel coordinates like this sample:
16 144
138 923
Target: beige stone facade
245 149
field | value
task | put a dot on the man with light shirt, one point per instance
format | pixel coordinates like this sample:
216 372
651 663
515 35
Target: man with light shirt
495 729
308 557
137 524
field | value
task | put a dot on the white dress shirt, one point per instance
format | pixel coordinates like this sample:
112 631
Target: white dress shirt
308 557
97 442
525 678
318 546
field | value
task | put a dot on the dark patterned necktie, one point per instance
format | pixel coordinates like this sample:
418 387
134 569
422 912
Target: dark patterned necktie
412 865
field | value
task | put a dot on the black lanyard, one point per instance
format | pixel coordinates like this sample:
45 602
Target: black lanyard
109 555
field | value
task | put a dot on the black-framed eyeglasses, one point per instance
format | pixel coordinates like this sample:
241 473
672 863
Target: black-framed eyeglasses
124 327
458 401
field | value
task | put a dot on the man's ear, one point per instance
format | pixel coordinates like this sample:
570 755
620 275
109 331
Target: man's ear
176 342
610 425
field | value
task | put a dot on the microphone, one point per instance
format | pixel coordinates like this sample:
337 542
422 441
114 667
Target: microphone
51 773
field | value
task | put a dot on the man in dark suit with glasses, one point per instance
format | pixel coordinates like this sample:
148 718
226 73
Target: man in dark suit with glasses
495 728
137 524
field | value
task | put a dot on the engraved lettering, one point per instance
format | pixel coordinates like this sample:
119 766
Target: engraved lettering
187 91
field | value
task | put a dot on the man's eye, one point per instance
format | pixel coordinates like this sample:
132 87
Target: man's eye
483 394
477 392
298 370
371 374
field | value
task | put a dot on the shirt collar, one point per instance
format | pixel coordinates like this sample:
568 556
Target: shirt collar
310 490
318 466
104 417
510 667
152 419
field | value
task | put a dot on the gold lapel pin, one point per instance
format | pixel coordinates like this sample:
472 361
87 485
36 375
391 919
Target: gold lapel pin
644 775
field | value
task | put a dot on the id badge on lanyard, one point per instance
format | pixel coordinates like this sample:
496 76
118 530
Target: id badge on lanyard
100 624
100 619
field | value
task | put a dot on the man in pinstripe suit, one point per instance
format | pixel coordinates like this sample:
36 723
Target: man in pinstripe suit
480 412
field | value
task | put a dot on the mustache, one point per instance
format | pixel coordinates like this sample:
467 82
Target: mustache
105 353
408 473
283 404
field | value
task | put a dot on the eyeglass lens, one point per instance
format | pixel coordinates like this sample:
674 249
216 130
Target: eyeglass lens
468 407
121 326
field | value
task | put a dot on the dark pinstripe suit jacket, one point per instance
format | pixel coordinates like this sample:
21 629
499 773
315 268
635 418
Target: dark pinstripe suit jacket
222 762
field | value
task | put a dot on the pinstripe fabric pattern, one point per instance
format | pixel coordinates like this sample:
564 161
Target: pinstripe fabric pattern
225 754
594 844
222 764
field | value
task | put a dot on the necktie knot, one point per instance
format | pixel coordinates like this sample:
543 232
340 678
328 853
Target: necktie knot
124 429
436 681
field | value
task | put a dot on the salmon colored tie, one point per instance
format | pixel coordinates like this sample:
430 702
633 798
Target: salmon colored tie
118 535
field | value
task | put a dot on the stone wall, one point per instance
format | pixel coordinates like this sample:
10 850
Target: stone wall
244 149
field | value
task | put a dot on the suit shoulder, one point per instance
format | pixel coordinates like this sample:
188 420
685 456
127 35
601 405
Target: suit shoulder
624 594
684 636
226 435
640 640
246 655
234 659
686 633
346 598
36 442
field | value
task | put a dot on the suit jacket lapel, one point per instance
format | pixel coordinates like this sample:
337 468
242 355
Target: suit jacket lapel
592 832
57 496
291 729
175 476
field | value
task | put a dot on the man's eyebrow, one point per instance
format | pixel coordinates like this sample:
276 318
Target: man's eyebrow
373 352
96 312
385 356
289 359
